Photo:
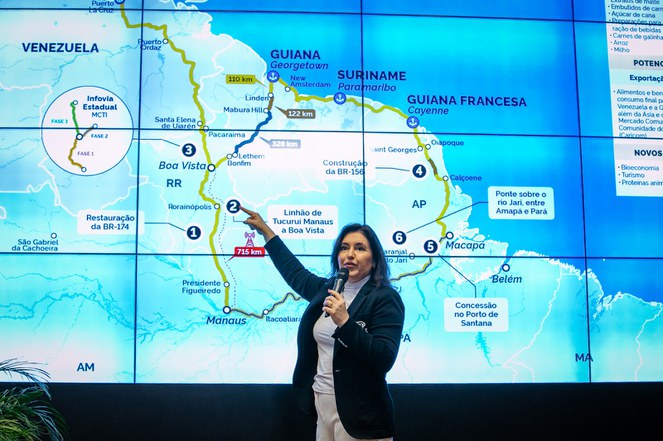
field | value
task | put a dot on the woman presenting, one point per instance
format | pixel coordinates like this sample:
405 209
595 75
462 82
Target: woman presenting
347 341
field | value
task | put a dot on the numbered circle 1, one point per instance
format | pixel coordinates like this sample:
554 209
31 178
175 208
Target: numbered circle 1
194 232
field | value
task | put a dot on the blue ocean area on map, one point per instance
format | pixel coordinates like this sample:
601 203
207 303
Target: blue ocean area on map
551 9
546 9
487 59
294 38
638 277
478 58
512 161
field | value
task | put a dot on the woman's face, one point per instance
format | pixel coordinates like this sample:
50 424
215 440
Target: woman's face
355 254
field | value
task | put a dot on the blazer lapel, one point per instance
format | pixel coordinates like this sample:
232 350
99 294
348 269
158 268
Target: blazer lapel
359 300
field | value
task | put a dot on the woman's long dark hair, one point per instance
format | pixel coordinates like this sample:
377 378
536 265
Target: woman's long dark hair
380 271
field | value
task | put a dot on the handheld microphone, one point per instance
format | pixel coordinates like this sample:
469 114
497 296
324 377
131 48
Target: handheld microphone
339 281
341 278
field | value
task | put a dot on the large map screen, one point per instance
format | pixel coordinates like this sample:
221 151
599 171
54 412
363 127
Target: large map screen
507 152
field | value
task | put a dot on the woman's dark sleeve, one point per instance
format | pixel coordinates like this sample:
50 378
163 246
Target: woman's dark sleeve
300 279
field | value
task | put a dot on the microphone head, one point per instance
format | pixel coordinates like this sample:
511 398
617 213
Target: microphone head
340 279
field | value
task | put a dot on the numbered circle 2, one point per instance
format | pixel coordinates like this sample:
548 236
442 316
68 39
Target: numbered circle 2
87 130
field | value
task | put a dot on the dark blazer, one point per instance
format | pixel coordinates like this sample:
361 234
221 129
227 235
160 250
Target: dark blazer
365 347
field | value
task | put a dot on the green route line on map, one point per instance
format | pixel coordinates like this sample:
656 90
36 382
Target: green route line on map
267 311
203 134
445 181
76 138
73 115
71 155
399 112
421 270
217 214
298 97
